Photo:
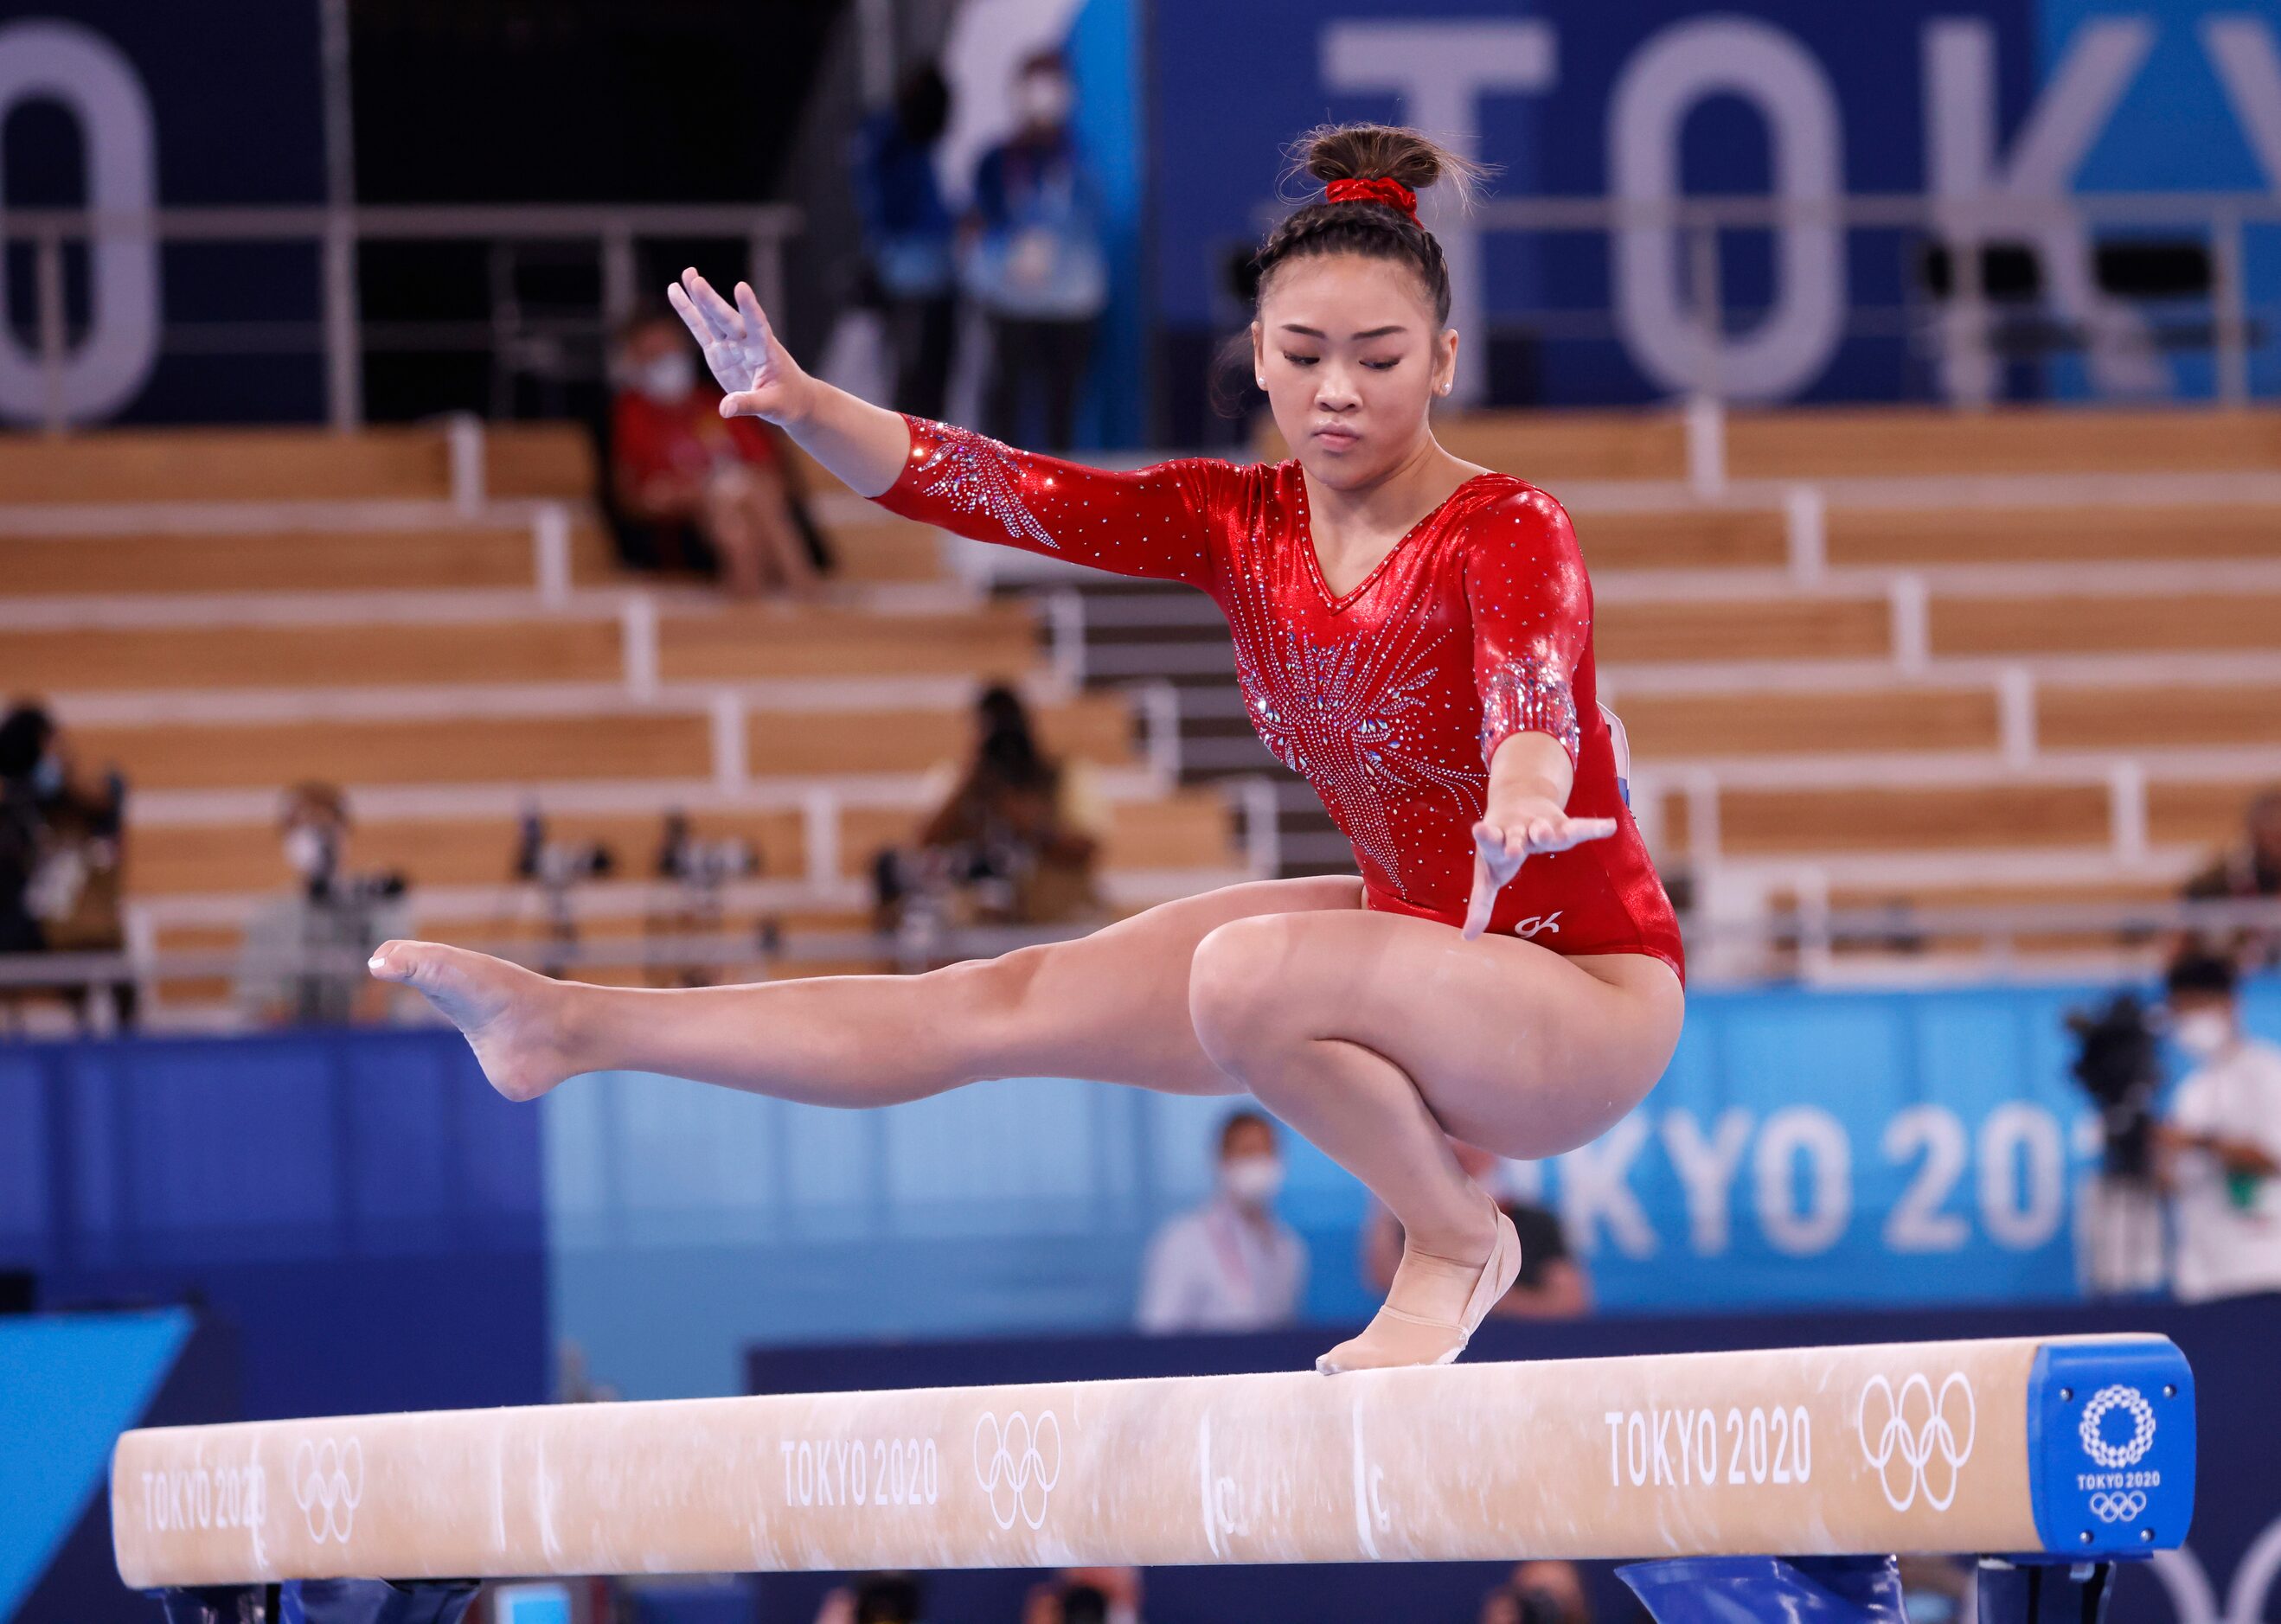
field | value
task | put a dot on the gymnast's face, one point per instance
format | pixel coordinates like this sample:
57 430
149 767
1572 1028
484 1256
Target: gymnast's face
1350 355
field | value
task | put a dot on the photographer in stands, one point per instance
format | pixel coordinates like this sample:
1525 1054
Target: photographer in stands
2220 1141
304 958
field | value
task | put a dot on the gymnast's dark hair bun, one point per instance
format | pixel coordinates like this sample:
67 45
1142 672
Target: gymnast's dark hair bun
1383 151
1377 230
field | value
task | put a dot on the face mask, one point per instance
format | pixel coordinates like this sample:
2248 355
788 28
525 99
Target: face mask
1123 1612
1253 1179
666 378
1043 98
48 777
2203 1034
308 853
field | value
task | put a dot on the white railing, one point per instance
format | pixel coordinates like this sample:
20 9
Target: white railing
341 335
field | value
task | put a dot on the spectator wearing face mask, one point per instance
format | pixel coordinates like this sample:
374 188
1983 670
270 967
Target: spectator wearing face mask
679 469
1035 263
2220 1141
1231 1265
303 963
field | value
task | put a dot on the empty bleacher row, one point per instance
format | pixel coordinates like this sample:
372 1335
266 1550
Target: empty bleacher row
432 618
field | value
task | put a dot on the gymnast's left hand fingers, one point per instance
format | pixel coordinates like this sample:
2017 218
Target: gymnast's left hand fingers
1549 834
1484 900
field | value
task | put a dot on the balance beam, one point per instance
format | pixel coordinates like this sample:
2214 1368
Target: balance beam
2078 1446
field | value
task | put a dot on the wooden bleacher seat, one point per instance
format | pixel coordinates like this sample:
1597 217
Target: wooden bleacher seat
1667 726
1831 442
1909 538
2061 623
1653 632
1928 818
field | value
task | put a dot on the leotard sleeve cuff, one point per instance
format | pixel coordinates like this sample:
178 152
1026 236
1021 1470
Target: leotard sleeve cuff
1529 694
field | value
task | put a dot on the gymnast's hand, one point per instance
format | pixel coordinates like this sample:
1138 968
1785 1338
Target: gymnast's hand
1521 832
758 377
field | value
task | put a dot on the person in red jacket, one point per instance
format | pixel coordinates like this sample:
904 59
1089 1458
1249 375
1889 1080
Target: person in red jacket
676 463
1413 635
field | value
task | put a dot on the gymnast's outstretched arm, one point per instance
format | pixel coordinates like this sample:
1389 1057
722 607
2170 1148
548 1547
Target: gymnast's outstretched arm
1156 521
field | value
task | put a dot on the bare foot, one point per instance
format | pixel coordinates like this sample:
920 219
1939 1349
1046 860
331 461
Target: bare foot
1432 1308
512 1016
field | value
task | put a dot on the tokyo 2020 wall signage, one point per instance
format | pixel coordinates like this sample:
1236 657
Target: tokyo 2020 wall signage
123 106
1795 99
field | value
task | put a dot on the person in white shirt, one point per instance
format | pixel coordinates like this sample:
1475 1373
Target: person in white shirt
2221 1141
1231 1265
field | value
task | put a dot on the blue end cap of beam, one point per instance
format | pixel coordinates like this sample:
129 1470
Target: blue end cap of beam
2111 1447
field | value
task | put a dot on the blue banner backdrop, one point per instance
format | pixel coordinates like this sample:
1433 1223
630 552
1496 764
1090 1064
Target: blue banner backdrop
125 105
1670 97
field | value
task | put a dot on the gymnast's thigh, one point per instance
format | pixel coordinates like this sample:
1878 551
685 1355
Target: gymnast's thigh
1113 1006
1513 1047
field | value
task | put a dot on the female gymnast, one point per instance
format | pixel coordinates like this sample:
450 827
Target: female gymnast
1412 634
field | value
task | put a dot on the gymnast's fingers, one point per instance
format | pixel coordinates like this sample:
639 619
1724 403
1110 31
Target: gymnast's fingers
1484 900
756 320
699 329
717 310
708 324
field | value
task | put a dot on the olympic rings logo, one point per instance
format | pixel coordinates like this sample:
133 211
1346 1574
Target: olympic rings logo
2132 1403
327 1482
1010 1464
2118 1507
1925 1442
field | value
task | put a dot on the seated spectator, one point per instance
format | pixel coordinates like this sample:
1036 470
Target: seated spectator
1540 1592
303 959
1552 1284
681 473
1231 1265
1013 843
62 858
2220 1141
2247 870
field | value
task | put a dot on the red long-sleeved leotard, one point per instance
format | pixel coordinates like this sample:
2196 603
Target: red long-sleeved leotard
1389 699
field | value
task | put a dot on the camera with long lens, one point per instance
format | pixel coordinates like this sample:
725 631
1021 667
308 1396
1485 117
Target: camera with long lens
2118 1063
705 864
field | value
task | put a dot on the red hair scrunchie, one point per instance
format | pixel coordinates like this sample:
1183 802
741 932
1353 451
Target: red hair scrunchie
1377 188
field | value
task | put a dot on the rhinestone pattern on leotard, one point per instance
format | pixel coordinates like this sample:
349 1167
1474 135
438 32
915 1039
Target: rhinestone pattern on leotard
1350 717
1529 694
1476 624
972 472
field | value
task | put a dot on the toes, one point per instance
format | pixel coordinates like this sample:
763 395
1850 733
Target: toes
396 961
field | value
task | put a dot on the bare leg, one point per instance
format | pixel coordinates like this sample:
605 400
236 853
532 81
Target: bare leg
783 555
726 519
1112 1006
1371 1033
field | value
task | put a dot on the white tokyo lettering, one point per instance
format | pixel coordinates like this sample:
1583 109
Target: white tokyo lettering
2118 1507
2132 1403
878 1473
1017 1466
203 1497
1679 1449
1923 1450
327 1486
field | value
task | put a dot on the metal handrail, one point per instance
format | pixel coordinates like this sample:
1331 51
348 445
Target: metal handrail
615 228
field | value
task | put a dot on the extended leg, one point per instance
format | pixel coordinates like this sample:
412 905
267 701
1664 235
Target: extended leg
1111 1006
